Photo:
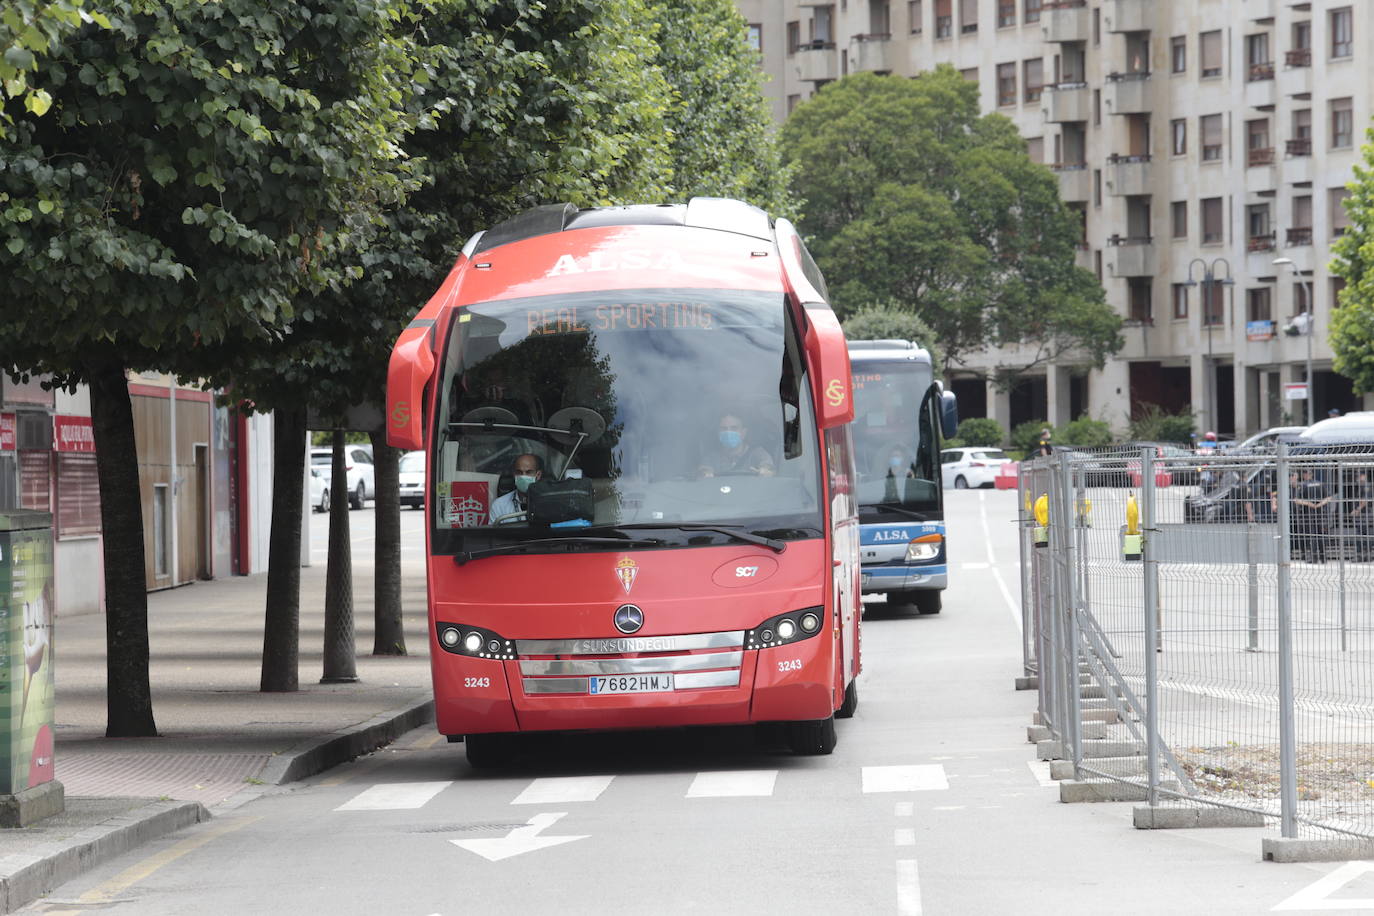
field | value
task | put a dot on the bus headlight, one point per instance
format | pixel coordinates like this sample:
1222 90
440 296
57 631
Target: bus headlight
924 548
810 622
785 628
474 642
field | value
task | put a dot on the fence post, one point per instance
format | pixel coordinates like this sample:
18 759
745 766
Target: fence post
1068 544
1045 642
1025 520
1288 766
1150 600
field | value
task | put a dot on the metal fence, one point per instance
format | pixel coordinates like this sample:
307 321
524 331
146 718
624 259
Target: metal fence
1222 659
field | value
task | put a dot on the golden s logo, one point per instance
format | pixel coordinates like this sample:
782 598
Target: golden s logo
834 392
400 414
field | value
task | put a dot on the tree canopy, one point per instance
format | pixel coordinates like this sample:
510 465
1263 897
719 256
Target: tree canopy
1352 322
911 195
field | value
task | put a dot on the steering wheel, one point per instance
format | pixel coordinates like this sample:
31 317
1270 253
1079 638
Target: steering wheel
511 518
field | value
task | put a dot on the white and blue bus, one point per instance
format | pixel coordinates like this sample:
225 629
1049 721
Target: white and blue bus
900 413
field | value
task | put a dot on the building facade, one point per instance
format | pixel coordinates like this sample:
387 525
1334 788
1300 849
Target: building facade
1198 140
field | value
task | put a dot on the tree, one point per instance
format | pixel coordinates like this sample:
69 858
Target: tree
201 165
29 29
913 196
1352 321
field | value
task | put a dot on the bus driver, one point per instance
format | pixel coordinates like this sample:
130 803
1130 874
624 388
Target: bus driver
526 469
733 454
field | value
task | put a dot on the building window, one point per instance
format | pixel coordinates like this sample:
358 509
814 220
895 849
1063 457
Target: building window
1259 237
755 36
1210 126
968 16
1178 211
1258 150
1301 142
1097 108
1035 149
1178 136
793 101
1300 230
821 25
1342 32
1259 66
913 15
879 20
1257 304
1138 289
1213 307
1209 53
1097 187
1180 300
944 18
78 495
1033 10
1337 284
793 36
1006 85
1006 13
970 75
1300 54
1034 79
1213 231
1178 54
1340 220
1097 26
1342 124
160 531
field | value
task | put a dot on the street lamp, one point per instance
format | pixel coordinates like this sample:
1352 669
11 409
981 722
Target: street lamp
1208 281
1311 319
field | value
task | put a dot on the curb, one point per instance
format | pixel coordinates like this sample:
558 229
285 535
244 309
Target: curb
39 874
315 755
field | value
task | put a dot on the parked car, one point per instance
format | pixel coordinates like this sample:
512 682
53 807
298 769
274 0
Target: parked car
412 474
971 466
362 479
1264 441
1355 428
319 489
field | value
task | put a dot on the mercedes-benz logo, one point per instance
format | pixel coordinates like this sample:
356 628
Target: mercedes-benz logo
628 618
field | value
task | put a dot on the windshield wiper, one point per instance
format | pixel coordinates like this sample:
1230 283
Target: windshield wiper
911 513
738 534
534 544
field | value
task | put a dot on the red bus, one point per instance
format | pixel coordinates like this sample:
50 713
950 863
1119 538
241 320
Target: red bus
639 506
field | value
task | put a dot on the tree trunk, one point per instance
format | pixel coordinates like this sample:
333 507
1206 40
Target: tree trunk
281 634
340 652
390 636
128 695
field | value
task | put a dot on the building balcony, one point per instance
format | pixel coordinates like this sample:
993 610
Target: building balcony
1066 102
1261 93
1259 9
1262 242
1294 148
873 53
1298 236
1066 21
1296 80
1260 71
817 61
1128 175
1075 181
1131 256
1299 58
1126 15
1127 93
1262 156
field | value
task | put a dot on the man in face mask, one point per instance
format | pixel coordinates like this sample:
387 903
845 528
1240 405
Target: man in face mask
526 469
734 454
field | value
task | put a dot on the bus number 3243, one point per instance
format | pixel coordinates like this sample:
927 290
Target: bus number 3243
476 682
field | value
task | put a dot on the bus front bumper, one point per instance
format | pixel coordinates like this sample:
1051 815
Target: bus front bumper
903 578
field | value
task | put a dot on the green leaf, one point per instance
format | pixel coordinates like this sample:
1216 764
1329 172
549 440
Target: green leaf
15 245
46 206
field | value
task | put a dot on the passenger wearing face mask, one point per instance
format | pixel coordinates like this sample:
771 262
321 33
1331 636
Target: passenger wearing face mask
526 469
733 453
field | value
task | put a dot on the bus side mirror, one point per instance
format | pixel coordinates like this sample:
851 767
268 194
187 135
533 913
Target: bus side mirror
410 369
949 414
830 354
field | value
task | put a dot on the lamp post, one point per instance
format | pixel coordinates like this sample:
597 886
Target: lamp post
1311 321
1208 283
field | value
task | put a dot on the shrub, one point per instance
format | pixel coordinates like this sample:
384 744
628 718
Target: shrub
1085 431
1026 436
981 431
1153 424
889 321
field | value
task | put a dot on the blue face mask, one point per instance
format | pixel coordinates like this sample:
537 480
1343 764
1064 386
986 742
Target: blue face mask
731 438
523 481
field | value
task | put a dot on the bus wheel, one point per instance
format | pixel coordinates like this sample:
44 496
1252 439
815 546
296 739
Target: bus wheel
812 738
928 602
851 701
488 751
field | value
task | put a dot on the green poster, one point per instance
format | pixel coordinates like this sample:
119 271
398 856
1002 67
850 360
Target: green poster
26 656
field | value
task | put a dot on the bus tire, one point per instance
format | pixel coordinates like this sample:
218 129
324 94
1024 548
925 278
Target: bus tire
851 701
928 601
486 752
812 739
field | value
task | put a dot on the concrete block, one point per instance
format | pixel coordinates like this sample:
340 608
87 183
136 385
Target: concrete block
1061 769
1120 766
1095 692
32 805
1037 733
1073 791
1301 849
1030 682
1147 818
1112 749
1108 716
1049 750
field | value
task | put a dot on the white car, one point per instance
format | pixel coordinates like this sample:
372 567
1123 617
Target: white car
412 475
319 489
973 466
362 478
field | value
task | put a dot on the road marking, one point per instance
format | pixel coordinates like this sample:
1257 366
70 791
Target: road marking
904 836
394 796
518 841
1040 769
908 888
1012 604
949 807
904 809
560 790
131 876
732 784
1317 895
915 778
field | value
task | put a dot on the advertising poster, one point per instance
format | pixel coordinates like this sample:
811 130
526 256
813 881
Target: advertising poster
26 662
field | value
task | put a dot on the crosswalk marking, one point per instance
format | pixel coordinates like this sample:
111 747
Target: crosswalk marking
394 796
916 778
558 790
908 888
733 784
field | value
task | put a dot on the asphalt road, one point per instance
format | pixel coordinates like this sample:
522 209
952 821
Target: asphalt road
930 804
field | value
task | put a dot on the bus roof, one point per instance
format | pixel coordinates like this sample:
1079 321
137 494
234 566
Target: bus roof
887 351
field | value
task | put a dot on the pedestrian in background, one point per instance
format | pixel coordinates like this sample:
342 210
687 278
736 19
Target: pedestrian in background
1362 515
1044 449
1310 497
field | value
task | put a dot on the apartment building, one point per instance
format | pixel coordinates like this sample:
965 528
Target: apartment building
1201 141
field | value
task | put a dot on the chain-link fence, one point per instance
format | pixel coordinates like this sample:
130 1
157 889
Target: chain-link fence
1202 629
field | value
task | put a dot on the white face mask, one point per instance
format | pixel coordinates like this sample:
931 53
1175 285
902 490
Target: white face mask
523 481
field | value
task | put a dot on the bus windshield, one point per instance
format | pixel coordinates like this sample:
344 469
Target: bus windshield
645 414
895 440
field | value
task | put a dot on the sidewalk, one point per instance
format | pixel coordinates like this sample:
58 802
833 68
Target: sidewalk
221 741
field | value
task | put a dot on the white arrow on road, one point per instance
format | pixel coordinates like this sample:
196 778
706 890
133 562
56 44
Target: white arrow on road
519 840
